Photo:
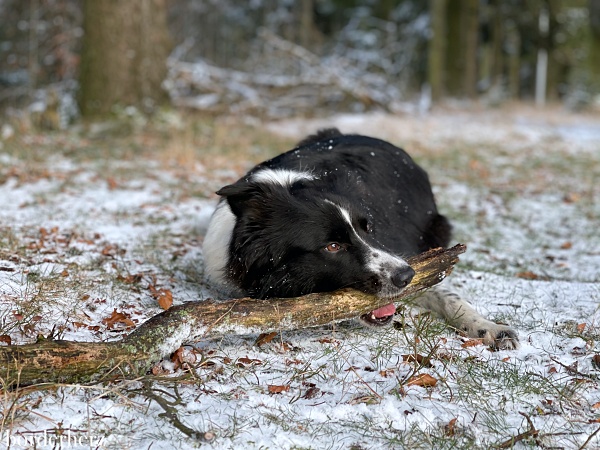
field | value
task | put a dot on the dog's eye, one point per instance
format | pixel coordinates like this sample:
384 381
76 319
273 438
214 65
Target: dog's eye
333 247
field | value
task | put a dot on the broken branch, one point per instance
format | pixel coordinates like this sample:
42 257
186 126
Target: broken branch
76 362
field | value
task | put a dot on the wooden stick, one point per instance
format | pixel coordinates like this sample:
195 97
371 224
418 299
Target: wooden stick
76 362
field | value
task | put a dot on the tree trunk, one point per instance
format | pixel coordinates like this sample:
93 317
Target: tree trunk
514 62
455 62
437 49
594 45
76 362
125 49
471 43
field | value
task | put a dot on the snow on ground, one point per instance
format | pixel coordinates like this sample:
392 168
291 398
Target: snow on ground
81 239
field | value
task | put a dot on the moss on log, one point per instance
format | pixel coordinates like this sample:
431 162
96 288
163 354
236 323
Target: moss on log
79 362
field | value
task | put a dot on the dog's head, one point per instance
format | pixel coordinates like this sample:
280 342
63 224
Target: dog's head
293 238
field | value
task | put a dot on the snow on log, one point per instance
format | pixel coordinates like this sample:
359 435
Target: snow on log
51 361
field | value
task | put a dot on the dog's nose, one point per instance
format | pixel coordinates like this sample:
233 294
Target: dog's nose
401 277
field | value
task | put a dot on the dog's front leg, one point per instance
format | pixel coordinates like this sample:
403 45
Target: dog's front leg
462 316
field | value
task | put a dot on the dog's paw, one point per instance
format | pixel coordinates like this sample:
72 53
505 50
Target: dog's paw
499 337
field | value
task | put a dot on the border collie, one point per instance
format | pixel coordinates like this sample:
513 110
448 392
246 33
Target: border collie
337 211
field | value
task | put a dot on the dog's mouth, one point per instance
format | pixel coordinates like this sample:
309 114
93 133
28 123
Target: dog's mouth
381 316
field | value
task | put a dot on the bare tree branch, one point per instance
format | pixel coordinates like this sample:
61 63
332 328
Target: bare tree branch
71 362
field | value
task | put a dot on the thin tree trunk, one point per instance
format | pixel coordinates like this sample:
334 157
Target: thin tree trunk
76 362
455 61
124 55
594 45
471 41
437 49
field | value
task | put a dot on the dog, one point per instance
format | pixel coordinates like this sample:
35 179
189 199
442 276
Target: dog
337 211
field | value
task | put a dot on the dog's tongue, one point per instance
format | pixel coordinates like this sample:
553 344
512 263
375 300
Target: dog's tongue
384 311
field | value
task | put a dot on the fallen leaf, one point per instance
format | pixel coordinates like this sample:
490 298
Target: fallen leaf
118 318
312 392
6 339
596 405
566 245
596 361
328 341
386 373
246 360
275 389
112 250
571 197
164 298
450 428
581 327
131 278
472 343
112 183
423 380
265 338
177 358
416 358
158 369
528 275
289 362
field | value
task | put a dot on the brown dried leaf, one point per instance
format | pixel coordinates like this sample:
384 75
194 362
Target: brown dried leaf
246 360
275 389
328 340
177 358
571 197
118 318
112 183
6 339
265 338
312 392
472 343
528 275
164 297
581 327
386 373
423 380
416 358
131 278
450 429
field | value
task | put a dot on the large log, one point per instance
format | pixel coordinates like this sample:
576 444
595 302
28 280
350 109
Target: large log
51 361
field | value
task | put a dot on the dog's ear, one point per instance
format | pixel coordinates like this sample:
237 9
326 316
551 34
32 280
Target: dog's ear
241 195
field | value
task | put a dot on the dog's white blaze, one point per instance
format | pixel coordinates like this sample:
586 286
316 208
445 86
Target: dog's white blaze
282 177
378 259
216 243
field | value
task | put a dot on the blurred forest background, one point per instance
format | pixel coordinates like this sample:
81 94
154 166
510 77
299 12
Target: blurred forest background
64 59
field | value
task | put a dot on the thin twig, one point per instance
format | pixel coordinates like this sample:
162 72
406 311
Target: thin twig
531 432
589 439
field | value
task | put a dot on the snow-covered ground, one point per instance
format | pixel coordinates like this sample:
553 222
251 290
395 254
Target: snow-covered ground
81 238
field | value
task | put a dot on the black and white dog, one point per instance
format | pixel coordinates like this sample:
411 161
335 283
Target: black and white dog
337 211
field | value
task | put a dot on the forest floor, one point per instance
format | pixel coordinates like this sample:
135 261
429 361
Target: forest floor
103 224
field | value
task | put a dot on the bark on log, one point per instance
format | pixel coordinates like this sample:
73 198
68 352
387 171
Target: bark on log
51 361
